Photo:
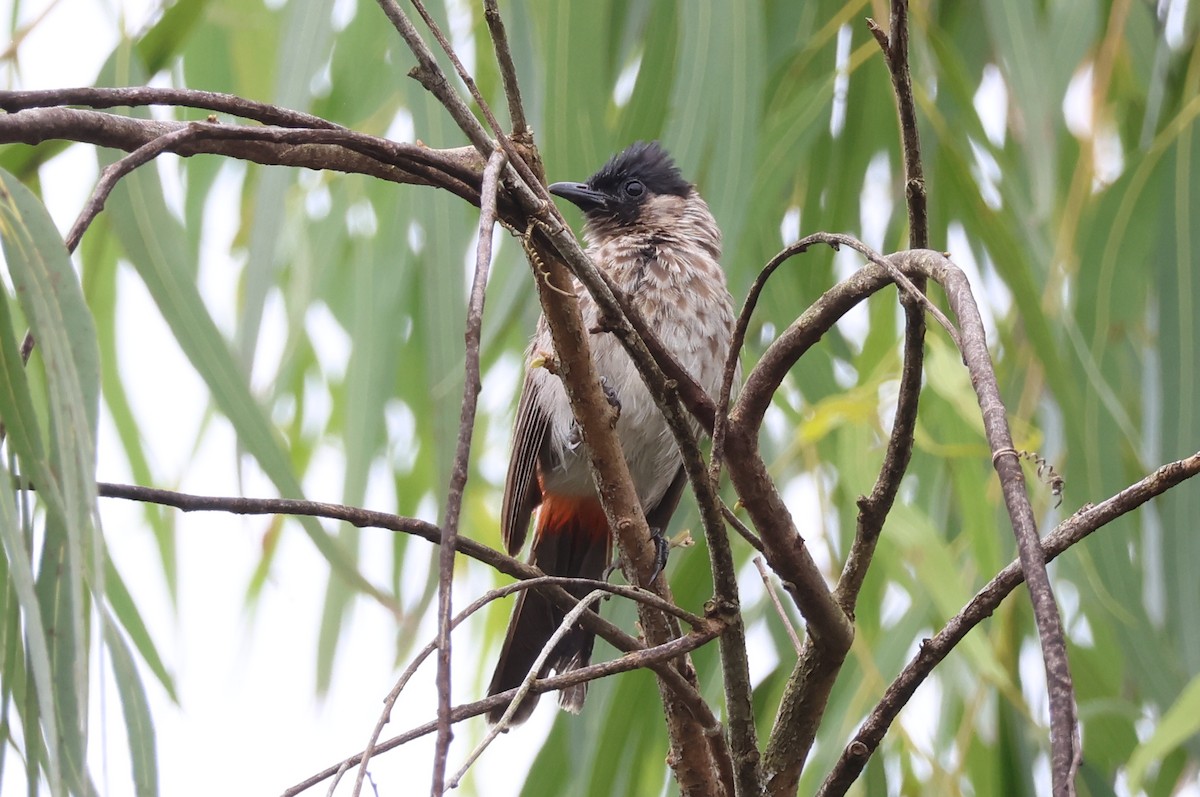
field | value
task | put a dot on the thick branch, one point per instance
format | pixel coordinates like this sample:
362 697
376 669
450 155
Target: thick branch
786 751
690 758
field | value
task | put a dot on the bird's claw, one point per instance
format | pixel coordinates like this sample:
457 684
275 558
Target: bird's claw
610 394
608 571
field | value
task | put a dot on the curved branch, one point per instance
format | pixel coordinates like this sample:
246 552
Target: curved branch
457 170
784 548
933 651
115 171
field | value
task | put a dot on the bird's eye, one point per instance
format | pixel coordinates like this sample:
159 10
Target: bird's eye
634 188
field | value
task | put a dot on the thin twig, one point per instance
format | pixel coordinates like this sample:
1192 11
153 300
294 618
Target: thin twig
508 69
115 171
741 528
652 658
986 601
431 76
681 688
564 627
632 593
461 70
461 469
770 585
895 50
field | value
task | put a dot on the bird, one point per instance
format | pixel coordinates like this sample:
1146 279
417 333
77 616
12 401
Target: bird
650 231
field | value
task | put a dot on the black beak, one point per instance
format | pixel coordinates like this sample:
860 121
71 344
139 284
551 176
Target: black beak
580 195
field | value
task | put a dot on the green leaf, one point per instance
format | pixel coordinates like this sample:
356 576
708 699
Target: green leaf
39 719
139 726
52 301
1180 723
125 611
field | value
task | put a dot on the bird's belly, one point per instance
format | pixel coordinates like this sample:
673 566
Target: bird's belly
650 450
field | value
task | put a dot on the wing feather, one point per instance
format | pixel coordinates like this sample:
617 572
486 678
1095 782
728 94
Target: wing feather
522 492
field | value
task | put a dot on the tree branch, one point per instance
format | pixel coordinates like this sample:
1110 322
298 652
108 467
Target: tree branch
461 469
632 593
691 757
430 75
457 170
933 651
645 658
508 69
789 745
136 96
873 509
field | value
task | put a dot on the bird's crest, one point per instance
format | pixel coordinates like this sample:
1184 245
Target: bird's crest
646 161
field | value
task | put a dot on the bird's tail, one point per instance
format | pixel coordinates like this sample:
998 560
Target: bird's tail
572 539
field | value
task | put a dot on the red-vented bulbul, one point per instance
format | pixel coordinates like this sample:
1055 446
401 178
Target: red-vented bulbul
650 231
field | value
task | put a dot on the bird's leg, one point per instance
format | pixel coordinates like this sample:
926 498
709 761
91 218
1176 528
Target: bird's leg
662 549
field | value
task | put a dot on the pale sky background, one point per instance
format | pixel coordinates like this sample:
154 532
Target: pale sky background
247 722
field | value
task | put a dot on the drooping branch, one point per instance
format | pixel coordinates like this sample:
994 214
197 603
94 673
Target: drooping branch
934 650
684 690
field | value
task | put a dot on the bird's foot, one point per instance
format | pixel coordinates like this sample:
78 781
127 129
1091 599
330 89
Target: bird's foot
610 394
608 571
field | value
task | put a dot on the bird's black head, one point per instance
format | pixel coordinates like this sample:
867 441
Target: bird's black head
623 185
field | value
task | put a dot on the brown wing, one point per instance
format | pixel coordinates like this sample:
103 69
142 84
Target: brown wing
522 493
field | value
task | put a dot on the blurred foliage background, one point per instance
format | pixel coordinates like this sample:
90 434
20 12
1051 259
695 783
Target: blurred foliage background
1058 137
